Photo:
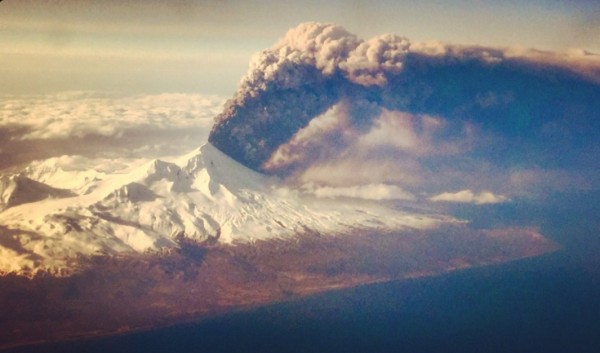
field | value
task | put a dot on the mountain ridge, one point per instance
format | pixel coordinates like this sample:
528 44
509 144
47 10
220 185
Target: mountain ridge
204 197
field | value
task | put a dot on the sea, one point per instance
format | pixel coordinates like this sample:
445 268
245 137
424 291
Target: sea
550 303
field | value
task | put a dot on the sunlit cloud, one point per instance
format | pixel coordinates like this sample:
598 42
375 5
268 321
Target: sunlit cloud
81 114
103 125
468 196
368 192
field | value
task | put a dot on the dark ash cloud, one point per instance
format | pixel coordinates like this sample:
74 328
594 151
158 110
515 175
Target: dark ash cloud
320 90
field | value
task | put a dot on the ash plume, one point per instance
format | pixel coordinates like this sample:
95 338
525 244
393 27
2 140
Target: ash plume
320 73
299 78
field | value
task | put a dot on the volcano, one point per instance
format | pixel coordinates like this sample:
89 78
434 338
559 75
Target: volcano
203 197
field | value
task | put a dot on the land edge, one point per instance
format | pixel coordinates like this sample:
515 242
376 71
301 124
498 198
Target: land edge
331 284
92 336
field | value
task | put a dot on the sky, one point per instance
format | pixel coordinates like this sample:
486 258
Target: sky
127 78
204 46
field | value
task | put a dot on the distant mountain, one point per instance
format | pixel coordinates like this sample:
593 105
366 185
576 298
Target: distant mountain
204 197
16 190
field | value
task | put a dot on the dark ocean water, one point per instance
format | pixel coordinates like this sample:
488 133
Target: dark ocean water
546 304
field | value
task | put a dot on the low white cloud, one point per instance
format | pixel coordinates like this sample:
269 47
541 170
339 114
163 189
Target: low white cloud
361 170
103 125
468 196
79 114
368 192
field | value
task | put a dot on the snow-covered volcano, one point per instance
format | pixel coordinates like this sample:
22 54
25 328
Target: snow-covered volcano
204 197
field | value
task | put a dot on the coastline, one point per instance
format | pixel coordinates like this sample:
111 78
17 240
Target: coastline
301 306
275 288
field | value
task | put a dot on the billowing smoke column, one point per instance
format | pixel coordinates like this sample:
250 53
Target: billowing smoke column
319 69
311 69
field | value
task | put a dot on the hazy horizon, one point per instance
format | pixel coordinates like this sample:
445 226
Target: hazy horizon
205 46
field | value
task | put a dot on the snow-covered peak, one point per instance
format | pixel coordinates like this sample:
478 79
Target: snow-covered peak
18 189
223 170
75 173
203 196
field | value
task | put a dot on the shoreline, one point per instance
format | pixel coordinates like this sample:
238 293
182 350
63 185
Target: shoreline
196 320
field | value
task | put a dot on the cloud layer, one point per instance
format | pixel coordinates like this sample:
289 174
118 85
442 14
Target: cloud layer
92 124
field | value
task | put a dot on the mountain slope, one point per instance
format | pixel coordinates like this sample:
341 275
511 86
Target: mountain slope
18 189
203 197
